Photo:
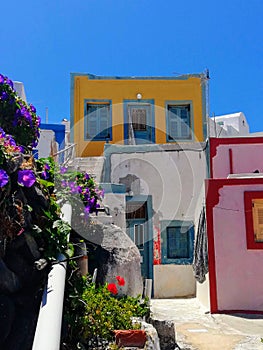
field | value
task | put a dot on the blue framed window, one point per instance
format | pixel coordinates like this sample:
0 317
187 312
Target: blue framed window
97 123
177 242
179 121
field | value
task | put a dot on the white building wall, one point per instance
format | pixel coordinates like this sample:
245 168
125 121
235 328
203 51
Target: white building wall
47 144
20 89
228 125
175 179
116 203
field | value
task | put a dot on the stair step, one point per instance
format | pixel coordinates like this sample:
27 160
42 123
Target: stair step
91 165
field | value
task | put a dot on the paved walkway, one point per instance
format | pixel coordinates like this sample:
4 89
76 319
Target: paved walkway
197 329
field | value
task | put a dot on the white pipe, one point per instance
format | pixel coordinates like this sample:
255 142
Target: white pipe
48 330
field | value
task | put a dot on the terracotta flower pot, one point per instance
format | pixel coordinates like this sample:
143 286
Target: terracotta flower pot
133 337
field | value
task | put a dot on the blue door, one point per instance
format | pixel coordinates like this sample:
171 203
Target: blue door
137 227
139 123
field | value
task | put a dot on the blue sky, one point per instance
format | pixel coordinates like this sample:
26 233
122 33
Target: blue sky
42 42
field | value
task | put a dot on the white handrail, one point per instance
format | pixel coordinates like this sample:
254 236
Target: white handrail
48 330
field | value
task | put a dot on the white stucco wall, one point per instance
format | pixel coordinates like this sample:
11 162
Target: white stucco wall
203 292
174 179
173 281
234 124
116 203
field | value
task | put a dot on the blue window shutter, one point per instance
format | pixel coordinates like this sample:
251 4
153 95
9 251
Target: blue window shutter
98 121
179 122
177 243
103 117
92 121
185 121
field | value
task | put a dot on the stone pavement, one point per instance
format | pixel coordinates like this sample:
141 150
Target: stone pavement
197 329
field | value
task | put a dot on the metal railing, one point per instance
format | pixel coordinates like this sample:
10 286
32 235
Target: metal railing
65 155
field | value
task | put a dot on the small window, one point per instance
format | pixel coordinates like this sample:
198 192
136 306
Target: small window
179 122
135 210
177 242
254 219
257 210
98 121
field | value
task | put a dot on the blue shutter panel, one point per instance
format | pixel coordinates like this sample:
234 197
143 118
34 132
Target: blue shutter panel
98 121
185 121
177 243
173 123
179 122
104 113
92 121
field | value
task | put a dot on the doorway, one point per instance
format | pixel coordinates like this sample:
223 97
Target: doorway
139 228
139 128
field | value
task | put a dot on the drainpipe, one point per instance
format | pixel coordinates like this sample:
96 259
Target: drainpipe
48 330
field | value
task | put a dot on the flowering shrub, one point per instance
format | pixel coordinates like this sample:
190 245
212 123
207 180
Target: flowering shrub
31 189
17 117
98 311
62 185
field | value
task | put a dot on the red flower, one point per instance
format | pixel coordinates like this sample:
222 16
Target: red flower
121 280
112 288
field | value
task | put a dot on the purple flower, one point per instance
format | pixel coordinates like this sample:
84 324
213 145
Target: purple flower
4 96
74 188
2 133
44 175
10 83
64 183
92 201
3 178
87 211
63 170
2 79
34 143
26 178
32 108
38 120
9 141
86 176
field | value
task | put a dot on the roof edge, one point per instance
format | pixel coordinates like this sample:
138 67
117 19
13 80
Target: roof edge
100 77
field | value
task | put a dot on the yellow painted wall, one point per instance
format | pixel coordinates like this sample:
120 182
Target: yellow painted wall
117 90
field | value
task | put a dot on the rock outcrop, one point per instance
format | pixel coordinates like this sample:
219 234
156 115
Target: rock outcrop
113 253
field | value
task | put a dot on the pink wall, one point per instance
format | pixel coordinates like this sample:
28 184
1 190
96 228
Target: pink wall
246 156
239 272
245 159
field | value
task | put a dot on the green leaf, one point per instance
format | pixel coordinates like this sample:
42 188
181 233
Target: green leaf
46 183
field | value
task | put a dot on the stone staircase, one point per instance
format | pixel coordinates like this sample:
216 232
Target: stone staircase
92 165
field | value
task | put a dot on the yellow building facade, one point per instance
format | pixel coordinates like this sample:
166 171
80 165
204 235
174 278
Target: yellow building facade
136 110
